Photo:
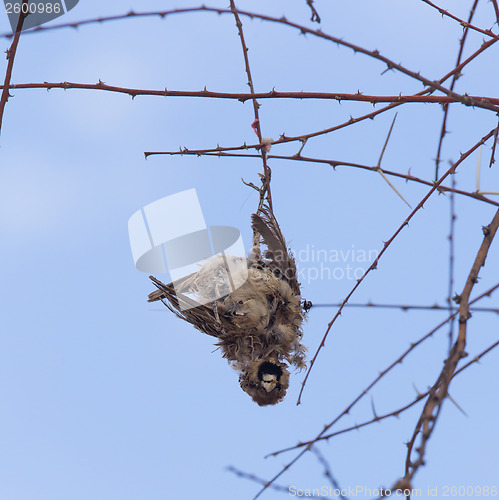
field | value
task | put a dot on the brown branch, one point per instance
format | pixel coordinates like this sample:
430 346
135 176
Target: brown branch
315 15
370 116
327 471
443 131
402 307
378 418
222 152
134 92
265 191
242 96
492 154
433 85
373 114
11 54
454 80
450 289
162 14
407 307
439 391
259 480
496 10
464 24
437 162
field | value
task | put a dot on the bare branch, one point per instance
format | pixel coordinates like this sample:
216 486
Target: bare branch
11 54
464 24
453 82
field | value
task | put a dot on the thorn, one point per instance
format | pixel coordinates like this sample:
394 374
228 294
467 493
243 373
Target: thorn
478 162
456 405
392 186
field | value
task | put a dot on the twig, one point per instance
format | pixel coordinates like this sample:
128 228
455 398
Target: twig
315 15
450 290
11 54
464 24
265 191
433 85
334 164
453 82
407 307
492 154
244 96
327 471
259 480
496 10
162 14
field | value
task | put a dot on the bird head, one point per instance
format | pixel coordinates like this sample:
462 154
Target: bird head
265 380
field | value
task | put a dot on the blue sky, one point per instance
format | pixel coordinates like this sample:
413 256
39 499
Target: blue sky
107 397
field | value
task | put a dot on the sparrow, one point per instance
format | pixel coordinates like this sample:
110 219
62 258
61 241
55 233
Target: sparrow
258 326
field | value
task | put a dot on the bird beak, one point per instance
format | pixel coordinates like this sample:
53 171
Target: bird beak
269 382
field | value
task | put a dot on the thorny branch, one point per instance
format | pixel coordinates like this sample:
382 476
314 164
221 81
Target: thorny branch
466 25
338 163
315 15
493 152
452 222
256 479
450 289
162 14
372 115
327 470
11 54
439 391
408 307
242 97
265 190
374 265
453 82
433 85
496 10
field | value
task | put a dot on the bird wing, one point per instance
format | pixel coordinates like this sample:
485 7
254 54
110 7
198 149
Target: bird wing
277 252
201 316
